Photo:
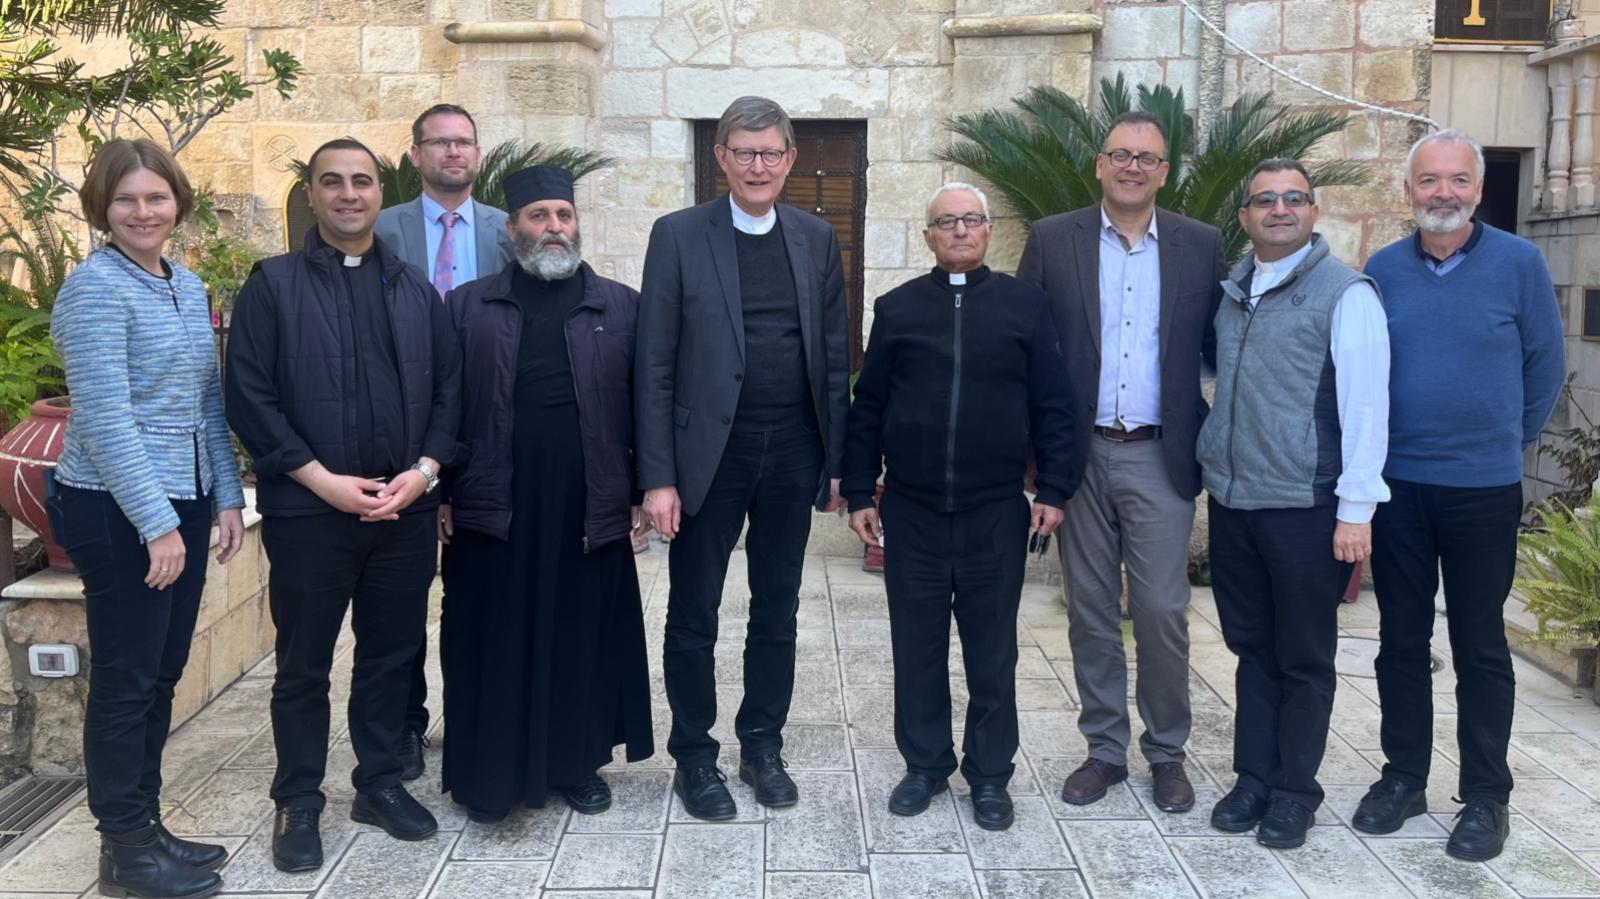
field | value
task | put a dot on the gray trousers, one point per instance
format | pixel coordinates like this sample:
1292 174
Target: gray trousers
1127 513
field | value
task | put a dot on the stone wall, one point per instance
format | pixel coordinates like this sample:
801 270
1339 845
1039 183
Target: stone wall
1571 247
1378 51
41 719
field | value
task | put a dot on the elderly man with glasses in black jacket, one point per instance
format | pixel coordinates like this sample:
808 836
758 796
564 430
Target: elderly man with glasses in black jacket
963 379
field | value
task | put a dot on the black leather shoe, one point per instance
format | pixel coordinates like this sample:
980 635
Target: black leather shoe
913 793
487 816
1386 807
704 793
1284 825
205 856
136 864
393 809
412 743
591 797
991 807
773 785
1238 811
1481 830
296 840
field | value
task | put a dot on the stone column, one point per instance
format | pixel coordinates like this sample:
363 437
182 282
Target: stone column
1588 70
1559 159
1213 67
533 79
998 57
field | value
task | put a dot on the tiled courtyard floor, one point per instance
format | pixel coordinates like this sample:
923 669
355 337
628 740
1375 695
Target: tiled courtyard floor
840 840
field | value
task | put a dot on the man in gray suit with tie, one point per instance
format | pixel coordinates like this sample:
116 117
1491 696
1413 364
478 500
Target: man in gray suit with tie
453 240
741 393
1134 290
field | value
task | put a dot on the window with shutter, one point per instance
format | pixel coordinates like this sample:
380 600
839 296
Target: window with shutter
1492 21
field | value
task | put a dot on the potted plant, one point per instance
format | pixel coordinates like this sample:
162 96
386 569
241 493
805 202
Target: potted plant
1560 573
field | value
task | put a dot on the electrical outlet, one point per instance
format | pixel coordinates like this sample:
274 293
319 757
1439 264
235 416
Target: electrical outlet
53 660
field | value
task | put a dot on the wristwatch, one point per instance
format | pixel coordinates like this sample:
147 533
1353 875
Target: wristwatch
430 474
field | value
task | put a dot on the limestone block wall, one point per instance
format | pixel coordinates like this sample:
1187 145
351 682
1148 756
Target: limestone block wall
41 719
1378 51
1571 247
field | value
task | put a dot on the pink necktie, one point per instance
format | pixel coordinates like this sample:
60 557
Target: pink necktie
444 264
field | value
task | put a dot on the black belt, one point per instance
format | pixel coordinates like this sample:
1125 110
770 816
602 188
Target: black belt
1147 432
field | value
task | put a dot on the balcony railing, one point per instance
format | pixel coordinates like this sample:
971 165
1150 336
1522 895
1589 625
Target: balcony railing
1572 71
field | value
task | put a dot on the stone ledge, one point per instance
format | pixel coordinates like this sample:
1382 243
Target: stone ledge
52 584
1023 26
552 31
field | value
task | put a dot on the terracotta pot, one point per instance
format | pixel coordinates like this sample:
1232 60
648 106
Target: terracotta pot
27 452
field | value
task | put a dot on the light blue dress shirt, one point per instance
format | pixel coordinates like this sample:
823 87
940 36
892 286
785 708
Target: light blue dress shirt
1130 329
466 268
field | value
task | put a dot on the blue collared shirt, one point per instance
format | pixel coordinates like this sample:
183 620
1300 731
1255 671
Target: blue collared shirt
1445 266
1130 328
466 237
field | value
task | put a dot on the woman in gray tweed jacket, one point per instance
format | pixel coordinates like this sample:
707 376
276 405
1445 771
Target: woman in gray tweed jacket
147 463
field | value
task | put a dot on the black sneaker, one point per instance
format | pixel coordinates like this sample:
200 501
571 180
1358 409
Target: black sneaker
393 809
1284 825
1386 807
296 840
773 785
1482 827
704 793
412 742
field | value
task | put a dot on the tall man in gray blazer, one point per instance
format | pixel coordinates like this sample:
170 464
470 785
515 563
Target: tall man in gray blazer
453 240
1134 290
741 393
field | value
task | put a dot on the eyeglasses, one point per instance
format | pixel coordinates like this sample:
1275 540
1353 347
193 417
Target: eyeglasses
949 222
1294 199
448 143
745 155
1120 158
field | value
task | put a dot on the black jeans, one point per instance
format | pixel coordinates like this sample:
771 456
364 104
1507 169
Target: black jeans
138 645
771 477
1472 533
971 562
1278 587
417 695
320 563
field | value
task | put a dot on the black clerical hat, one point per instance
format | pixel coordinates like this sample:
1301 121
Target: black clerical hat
535 183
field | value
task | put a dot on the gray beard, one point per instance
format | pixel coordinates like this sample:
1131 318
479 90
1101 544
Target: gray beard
550 263
1443 221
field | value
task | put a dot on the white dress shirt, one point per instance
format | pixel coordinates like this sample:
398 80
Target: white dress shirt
1130 329
1360 348
466 239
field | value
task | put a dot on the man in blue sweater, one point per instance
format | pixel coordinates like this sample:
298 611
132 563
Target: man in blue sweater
1477 366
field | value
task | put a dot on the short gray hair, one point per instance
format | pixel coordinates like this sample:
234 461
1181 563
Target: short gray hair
754 114
983 200
1448 135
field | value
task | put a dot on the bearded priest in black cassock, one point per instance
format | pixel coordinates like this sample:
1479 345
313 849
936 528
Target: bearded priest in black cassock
542 642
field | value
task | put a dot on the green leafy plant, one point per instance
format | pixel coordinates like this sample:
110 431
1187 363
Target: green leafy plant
30 369
1041 159
1577 453
402 183
223 262
1560 580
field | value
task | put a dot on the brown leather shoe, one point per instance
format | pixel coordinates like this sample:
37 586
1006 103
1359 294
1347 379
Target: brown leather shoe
1089 783
1172 790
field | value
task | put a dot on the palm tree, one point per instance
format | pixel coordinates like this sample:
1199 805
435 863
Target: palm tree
402 182
1042 160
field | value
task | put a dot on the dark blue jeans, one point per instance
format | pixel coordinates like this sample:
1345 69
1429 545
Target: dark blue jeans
138 646
771 478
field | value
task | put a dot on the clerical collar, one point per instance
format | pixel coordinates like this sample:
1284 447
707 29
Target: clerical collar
753 224
960 279
1285 264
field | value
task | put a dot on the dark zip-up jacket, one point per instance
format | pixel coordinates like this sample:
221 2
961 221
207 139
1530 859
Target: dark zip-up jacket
960 384
291 372
600 343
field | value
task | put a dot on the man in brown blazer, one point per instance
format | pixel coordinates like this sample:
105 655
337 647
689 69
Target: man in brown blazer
1134 290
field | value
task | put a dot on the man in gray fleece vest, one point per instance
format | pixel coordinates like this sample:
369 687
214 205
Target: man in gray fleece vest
1292 456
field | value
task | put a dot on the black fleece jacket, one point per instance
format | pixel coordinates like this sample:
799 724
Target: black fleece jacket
960 384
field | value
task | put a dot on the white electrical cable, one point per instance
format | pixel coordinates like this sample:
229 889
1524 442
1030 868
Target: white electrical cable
1381 110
